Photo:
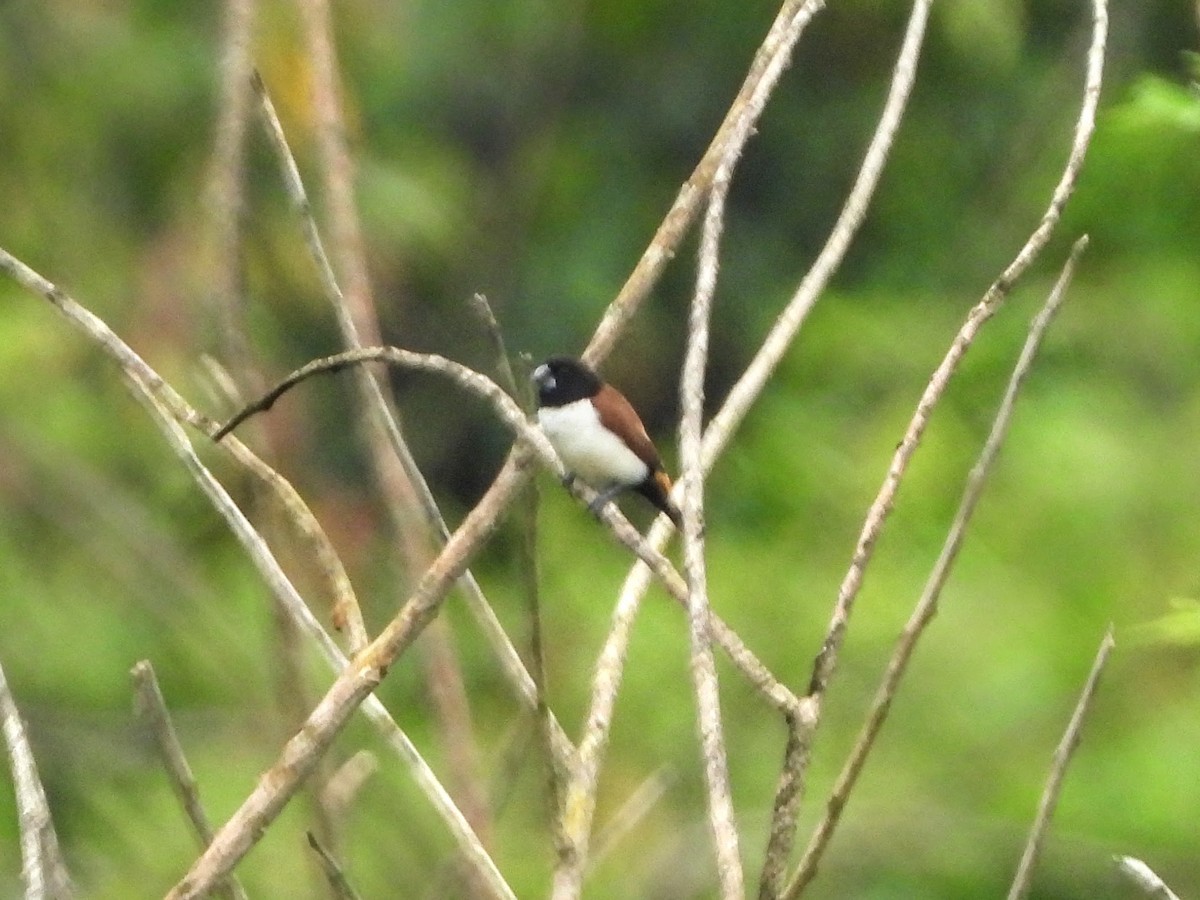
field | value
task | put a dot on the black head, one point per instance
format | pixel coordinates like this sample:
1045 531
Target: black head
563 379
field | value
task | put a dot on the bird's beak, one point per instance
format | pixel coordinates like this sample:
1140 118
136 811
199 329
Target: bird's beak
542 377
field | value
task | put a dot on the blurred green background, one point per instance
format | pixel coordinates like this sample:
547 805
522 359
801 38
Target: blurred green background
527 150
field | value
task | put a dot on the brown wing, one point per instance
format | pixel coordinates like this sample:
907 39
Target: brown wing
619 417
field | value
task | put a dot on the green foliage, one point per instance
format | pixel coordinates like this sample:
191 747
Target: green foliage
528 150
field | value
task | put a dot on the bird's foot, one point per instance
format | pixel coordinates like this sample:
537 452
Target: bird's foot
601 500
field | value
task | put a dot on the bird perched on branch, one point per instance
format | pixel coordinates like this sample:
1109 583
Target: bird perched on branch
599 435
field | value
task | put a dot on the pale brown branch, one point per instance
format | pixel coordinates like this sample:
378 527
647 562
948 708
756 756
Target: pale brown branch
826 660
226 187
556 768
42 866
783 34
635 808
167 408
360 678
1134 869
535 445
346 613
338 882
772 58
691 436
355 684
1058 770
926 606
784 811
151 710
397 472
741 397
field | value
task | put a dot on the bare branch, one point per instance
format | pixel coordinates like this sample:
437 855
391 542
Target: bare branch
226 182
691 431
784 811
151 710
926 606
166 407
769 63
352 687
333 872
1134 869
42 866
359 679
1062 758
343 786
538 445
346 613
771 57
635 808
826 660
406 487
742 396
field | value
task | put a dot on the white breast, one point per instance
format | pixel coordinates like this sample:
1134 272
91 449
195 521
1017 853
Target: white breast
588 449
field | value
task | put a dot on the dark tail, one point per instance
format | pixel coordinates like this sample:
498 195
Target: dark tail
657 489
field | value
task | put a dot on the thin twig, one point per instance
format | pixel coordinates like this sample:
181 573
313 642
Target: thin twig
1062 758
691 436
789 21
537 446
333 872
42 866
151 711
556 769
770 61
227 184
167 409
738 403
635 808
356 319
1134 869
826 660
926 607
788 793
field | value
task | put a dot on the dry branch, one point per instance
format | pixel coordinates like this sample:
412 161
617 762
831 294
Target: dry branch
1134 869
1058 770
774 51
403 484
166 410
826 660
42 866
338 882
534 443
723 425
151 710
226 187
365 672
785 809
926 607
529 574
722 821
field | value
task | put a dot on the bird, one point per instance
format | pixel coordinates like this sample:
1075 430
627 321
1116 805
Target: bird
599 435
